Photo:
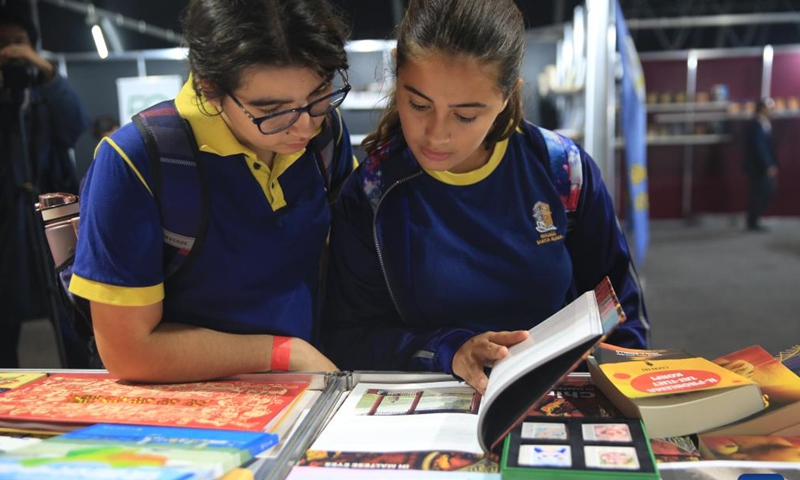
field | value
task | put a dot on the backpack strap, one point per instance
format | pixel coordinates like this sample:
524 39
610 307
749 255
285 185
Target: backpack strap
179 180
566 171
324 146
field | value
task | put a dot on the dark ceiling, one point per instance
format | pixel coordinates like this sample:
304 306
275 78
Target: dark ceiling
63 30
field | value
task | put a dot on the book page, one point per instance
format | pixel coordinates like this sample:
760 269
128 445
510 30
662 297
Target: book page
379 417
574 324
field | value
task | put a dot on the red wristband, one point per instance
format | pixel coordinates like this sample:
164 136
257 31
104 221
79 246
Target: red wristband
281 351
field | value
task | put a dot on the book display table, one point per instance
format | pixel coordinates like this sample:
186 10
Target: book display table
393 425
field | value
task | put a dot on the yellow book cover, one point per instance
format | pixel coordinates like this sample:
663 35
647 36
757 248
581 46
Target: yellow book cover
650 373
9 380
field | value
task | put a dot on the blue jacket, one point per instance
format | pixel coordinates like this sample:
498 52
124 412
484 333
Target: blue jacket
760 150
373 318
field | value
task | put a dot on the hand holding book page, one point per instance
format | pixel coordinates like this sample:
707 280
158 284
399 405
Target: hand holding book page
481 351
440 416
553 349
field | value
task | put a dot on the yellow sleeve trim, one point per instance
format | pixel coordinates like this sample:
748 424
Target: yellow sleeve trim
115 295
127 160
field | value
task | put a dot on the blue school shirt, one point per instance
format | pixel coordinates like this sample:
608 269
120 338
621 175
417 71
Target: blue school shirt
258 269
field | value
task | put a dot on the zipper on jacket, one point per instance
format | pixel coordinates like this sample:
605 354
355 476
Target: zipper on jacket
377 244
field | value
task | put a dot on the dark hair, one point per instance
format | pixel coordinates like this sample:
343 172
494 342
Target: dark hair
490 31
225 37
15 16
102 124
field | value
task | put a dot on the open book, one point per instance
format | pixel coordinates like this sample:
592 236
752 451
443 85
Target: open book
442 425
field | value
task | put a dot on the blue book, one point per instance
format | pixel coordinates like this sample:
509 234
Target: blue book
135 452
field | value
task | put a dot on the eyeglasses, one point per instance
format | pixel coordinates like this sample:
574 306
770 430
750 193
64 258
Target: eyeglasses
280 121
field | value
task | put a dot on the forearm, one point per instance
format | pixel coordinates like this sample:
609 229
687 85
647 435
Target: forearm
175 352
135 344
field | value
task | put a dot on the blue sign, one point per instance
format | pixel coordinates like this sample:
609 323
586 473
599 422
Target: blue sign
634 131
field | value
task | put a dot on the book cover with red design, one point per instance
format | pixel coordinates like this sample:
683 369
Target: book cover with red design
74 399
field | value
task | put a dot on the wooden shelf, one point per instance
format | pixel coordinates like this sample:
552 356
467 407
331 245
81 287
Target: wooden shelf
718 116
677 140
687 107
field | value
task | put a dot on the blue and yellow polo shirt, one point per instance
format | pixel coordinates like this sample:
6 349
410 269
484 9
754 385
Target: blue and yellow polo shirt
257 271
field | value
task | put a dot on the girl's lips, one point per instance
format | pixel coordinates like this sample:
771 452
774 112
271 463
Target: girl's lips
297 145
434 155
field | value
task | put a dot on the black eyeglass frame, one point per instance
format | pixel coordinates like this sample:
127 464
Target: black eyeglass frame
297 112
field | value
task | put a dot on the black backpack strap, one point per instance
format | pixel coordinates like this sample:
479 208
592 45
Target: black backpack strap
179 184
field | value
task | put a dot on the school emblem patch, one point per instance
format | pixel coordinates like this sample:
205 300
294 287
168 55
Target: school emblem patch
544 217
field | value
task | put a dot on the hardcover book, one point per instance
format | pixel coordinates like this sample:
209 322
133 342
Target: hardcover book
781 390
446 418
135 452
64 400
674 392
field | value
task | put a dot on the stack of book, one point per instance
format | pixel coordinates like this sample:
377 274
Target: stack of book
116 429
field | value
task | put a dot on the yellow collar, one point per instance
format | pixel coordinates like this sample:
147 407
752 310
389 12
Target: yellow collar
210 130
475 176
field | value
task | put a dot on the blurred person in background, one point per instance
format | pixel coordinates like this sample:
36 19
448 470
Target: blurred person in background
103 126
761 165
41 118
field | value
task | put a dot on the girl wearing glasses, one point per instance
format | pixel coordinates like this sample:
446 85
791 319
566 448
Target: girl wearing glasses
450 241
266 77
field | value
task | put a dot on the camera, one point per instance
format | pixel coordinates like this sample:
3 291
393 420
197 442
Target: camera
59 213
19 75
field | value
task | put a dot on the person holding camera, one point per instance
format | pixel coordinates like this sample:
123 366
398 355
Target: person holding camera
41 118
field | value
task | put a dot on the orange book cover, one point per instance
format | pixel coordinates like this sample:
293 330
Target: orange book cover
649 373
779 385
100 398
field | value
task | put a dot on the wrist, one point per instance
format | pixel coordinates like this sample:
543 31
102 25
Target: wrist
280 359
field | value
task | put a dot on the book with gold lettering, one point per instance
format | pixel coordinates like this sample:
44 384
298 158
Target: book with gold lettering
674 392
65 401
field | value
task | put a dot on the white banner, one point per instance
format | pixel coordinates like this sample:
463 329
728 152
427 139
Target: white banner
137 93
